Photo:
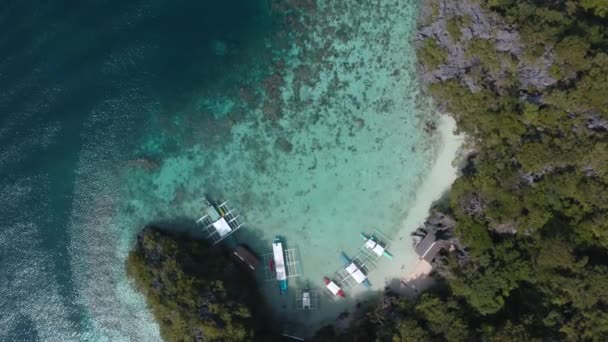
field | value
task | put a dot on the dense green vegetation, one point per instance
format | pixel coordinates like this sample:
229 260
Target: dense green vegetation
432 53
193 291
455 24
532 205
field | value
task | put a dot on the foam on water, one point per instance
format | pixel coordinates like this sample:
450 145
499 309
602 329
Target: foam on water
98 243
26 276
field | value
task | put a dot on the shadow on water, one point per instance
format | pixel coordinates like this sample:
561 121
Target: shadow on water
243 280
287 317
268 317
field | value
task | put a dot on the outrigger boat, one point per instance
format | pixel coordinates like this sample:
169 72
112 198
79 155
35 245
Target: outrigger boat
307 299
279 264
218 221
333 287
354 271
375 246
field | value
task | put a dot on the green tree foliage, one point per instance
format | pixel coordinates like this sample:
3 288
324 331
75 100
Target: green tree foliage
455 24
540 171
532 206
597 7
432 54
192 291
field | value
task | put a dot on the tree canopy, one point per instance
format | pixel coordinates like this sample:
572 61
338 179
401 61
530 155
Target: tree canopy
538 238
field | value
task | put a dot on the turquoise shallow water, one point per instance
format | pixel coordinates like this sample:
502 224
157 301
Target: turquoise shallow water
308 120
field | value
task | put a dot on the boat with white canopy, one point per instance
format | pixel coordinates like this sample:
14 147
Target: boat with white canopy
333 288
355 270
219 221
281 264
377 243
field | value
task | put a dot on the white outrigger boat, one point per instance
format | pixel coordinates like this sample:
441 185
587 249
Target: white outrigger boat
281 264
219 221
334 288
307 299
376 245
355 271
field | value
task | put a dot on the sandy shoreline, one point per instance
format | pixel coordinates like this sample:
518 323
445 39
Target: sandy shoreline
406 265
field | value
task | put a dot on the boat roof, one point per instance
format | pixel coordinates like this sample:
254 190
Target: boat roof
434 249
214 215
246 256
333 287
356 273
279 261
222 227
374 247
306 299
425 244
379 250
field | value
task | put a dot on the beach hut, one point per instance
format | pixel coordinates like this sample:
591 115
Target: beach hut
218 221
429 247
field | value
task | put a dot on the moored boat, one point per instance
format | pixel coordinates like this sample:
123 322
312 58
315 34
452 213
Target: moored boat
279 264
375 246
246 257
218 221
306 304
354 271
333 287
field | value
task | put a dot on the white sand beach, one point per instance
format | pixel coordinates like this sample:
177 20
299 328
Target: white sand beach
406 265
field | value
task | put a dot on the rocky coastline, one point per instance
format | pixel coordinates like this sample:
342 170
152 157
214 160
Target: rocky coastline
457 27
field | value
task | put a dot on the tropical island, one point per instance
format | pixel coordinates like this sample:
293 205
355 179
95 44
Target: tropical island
526 82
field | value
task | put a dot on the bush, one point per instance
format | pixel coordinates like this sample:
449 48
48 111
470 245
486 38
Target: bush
184 282
432 54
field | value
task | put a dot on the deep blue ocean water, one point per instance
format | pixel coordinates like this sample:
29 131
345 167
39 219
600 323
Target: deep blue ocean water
75 74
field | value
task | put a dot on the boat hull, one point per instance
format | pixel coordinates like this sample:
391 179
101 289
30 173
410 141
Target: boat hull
279 265
283 286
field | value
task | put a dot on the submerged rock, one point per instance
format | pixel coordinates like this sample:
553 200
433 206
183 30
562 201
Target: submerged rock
146 163
359 123
283 145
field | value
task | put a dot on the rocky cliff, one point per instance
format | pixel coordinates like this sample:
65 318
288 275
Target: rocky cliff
456 38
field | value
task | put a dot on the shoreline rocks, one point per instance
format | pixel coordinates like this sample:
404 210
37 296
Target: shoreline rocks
460 28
